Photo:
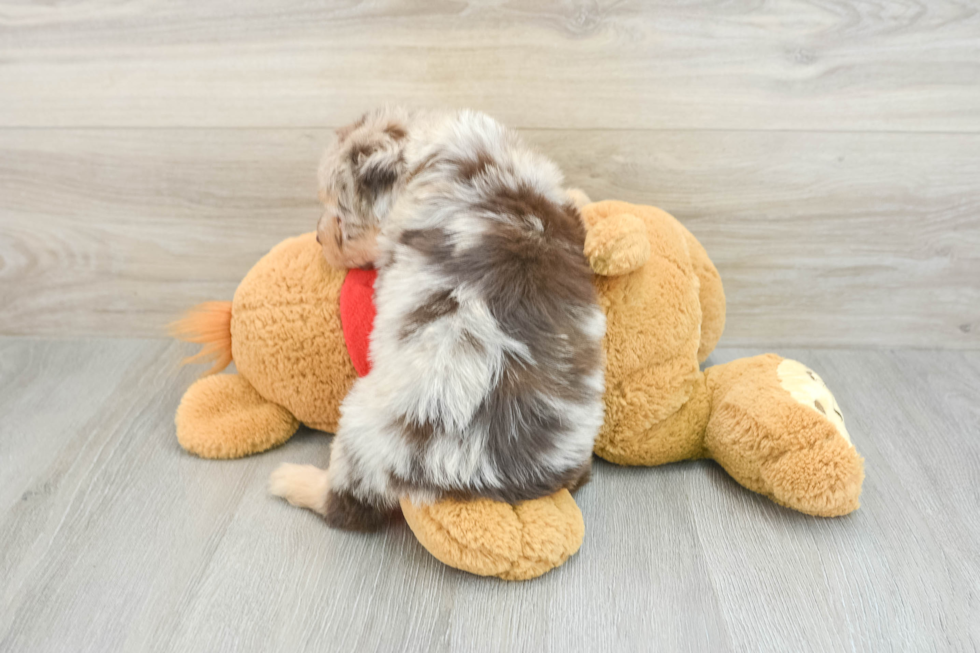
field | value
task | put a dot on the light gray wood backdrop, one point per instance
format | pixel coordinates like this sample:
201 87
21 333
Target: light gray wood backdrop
826 152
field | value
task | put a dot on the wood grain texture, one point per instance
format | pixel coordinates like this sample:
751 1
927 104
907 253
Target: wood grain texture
112 538
807 64
825 151
822 239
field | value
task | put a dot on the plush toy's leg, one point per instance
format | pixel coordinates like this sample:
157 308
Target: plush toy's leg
490 538
671 402
776 428
223 416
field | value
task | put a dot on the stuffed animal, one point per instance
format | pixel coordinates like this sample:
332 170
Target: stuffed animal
298 332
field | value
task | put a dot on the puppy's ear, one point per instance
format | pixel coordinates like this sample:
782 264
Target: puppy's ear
378 167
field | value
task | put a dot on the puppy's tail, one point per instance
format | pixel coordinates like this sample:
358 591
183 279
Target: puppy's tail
209 325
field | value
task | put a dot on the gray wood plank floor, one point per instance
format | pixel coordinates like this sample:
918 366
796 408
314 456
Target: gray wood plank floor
112 538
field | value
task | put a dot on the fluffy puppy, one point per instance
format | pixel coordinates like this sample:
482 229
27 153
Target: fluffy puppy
487 371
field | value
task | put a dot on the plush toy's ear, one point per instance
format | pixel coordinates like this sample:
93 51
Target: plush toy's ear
617 245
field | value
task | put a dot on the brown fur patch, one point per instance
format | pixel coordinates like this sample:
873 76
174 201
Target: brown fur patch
437 306
544 262
375 180
415 433
359 151
579 477
472 343
421 167
521 431
432 243
572 479
538 286
470 168
396 132
347 512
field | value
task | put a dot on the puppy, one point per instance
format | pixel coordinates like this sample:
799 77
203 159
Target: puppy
487 370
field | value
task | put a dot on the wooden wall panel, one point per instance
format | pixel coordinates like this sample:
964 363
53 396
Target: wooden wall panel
827 239
826 151
699 64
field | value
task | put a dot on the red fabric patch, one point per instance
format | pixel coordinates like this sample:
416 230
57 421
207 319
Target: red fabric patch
357 316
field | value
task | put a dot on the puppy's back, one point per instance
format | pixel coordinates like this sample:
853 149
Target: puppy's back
491 304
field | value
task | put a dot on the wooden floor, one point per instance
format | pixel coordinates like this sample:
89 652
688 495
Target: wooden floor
114 539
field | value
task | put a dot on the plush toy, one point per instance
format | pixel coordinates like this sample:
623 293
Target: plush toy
298 332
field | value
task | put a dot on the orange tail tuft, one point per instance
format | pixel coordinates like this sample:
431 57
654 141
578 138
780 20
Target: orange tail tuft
207 324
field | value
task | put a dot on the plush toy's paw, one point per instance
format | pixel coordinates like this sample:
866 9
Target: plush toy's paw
823 479
224 417
490 538
777 430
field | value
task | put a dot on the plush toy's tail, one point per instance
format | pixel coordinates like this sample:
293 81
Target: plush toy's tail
207 324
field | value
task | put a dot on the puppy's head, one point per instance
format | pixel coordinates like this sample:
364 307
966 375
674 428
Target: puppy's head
359 177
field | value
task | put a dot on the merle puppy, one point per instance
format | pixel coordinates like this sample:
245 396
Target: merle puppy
487 370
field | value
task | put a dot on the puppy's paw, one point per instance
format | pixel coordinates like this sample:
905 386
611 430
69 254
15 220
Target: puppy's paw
578 197
304 486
